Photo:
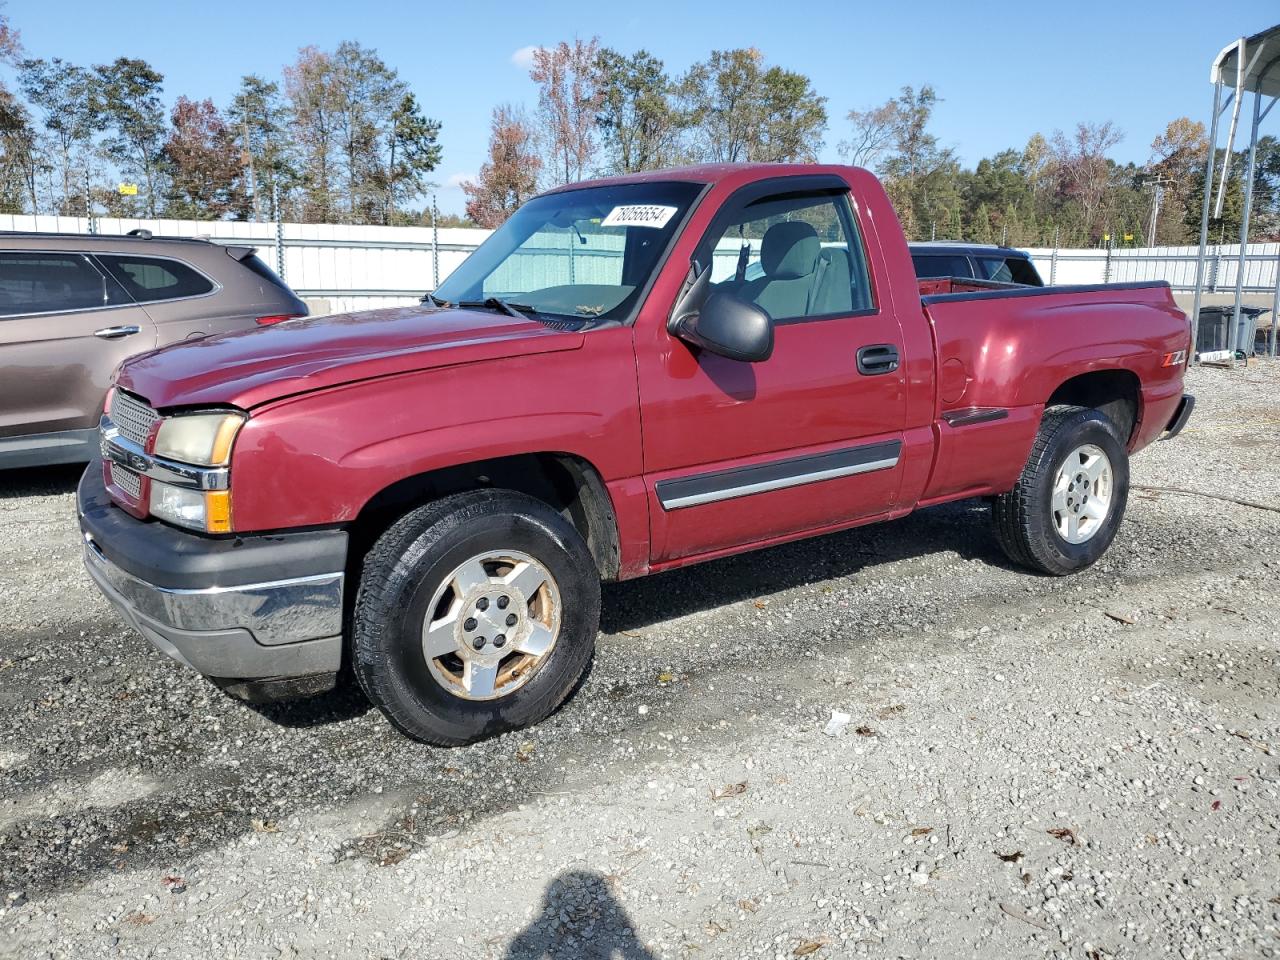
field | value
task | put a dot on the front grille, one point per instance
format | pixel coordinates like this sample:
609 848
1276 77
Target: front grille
132 417
126 480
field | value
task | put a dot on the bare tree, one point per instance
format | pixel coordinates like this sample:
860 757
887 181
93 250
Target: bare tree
1081 167
569 100
309 90
62 93
871 135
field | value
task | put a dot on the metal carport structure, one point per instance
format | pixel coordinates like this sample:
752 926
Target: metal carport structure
1248 65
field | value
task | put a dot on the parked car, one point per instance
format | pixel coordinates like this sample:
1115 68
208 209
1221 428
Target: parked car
73 306
432 495
945 258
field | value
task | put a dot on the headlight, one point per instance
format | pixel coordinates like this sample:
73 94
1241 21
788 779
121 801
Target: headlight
208 511
200 438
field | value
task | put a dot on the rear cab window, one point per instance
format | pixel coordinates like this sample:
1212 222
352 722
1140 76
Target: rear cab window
150 279
32 283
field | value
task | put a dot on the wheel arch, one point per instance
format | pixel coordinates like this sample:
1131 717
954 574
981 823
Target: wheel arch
568 483
1115 392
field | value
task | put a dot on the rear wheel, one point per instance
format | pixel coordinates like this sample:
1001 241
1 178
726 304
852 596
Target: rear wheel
1065 509
476 614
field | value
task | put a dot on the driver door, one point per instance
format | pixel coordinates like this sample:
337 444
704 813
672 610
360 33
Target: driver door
740 453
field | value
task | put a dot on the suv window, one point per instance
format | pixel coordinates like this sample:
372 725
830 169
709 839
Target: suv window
796 255
1008 270
256 264
941 265
150 278
53 283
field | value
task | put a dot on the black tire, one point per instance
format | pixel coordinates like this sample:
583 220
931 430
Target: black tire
410 562
1023 517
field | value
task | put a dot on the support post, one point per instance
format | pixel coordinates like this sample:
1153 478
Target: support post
88 204
1275 307
1204 213
435 245
1233 335
275 203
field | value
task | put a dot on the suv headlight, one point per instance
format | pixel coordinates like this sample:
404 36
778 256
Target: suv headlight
203 439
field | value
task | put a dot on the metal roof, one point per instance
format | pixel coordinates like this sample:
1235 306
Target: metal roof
961 246
1260 55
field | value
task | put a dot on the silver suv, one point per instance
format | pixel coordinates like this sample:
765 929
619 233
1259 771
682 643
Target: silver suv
73 306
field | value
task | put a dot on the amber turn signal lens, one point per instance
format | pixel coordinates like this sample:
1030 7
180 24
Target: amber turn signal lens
217 511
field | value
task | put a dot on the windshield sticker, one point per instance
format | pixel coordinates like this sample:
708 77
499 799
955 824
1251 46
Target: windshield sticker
639 215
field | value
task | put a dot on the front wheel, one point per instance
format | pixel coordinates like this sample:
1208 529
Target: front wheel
476 614
1065 509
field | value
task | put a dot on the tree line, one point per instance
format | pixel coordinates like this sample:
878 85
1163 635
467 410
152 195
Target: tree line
600 112
339 137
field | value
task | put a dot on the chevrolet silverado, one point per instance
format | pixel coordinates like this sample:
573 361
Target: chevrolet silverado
630 375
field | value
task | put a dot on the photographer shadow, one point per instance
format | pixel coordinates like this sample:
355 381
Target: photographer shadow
580 918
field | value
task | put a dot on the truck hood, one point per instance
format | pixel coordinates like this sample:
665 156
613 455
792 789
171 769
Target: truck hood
248 368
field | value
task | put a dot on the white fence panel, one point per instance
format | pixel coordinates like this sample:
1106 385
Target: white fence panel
358 267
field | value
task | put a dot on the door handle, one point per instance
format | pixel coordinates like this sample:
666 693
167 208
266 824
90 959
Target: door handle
117 333
877 358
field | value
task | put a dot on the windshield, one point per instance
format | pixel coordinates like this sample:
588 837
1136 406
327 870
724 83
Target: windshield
586 254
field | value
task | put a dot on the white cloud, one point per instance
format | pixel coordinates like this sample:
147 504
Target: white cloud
456 180
523 58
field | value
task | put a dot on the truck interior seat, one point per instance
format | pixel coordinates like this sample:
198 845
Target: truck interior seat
789 255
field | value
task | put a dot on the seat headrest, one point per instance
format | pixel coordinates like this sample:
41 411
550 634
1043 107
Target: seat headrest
789 250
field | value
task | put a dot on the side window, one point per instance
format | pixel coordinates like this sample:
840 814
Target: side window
53 283
932 265
995 268
795 255
149 279
1024 272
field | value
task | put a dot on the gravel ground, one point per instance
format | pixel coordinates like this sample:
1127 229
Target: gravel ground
1033 767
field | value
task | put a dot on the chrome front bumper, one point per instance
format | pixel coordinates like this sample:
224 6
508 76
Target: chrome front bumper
281 628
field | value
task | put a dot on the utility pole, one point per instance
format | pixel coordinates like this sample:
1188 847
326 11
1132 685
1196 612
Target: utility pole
1157 184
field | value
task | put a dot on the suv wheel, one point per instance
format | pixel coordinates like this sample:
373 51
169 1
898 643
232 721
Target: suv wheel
476 614
1065 509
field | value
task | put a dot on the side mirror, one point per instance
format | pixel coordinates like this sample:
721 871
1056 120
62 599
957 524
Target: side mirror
728 326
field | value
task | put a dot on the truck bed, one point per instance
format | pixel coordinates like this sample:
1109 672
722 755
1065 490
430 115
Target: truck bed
937 286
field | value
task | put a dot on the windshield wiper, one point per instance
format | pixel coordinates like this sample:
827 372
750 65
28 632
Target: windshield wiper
493 303
438 301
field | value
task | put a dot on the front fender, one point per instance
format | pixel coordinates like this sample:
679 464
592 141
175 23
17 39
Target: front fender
316 460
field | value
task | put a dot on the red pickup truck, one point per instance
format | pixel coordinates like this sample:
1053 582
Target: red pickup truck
630 375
